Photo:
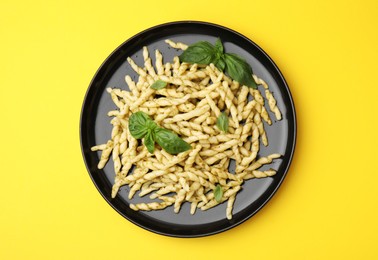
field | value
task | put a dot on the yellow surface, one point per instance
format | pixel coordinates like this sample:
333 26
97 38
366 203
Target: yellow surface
327 206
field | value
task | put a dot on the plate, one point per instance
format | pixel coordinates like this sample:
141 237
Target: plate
95 128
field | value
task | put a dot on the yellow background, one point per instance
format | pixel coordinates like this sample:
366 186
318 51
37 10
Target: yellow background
327 205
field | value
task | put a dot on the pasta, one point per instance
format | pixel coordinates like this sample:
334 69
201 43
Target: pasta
189 105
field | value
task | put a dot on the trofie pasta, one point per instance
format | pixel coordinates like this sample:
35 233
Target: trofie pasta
189 105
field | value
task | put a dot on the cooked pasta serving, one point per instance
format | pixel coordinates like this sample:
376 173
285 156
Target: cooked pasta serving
177 129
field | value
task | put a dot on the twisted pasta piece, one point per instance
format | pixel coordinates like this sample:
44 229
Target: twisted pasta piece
193 207
242 100
262 161
259 174
150 206
204 174
255 148
167 69
220 138
183 67
198 127
176 66
143 98
246 128
99 147
218 157
230 204
148 187
244 151
170 92
193 177
219 148
269 96
115 99
105 154
192 157
163 102
176 159
136 68
132 86
142 154
260 126
179 200
205 81
260 100
152 175
235 150
195 75
226 195
165 190
159 62
202 118
195 138
175 80
212 105
177 45
273 104
148 62
206 91
249 107
193 67
224 174
187 116
115 154
193 188
228 97
172 111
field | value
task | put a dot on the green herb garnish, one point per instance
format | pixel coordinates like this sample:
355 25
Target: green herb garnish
222 122
204 53
149 141
138 124
142 126
170 142
159 84
218 193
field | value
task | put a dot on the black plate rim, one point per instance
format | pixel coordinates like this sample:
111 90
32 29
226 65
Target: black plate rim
290 105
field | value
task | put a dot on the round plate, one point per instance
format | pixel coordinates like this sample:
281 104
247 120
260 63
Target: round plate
95 128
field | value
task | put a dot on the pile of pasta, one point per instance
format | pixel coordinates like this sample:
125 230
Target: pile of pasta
189 106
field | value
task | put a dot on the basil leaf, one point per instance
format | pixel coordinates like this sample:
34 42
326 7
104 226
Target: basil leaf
138 124
202 53
218 193
170 142
159 84
239 70
222 122
149 141
219 62
219 46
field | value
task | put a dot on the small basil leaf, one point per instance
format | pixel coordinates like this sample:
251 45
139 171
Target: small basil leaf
202 53
222 122
138 124
239 70
159 84
219 46
218 193
149 141
170 142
